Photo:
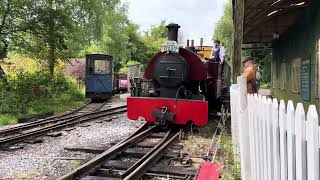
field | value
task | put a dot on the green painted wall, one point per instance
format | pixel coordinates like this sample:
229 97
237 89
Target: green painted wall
300 41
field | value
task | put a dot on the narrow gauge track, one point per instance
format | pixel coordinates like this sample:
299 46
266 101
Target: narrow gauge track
49 120
55 124
108 166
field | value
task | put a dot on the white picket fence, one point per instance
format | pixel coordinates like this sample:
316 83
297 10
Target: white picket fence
275 141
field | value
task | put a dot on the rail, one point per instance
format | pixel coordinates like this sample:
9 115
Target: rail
140 167
62 124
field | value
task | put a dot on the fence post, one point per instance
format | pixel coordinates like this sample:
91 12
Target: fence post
300 131
257 137
251 113
276 140
269 139
264 137
283 141
243 130
313 144
234 101
291 142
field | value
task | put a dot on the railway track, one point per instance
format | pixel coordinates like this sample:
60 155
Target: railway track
53 119
27 131
131 160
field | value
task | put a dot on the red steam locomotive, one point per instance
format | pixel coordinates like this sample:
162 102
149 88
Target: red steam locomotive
177 86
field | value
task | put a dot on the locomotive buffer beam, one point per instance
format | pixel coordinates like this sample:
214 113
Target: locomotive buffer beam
163 115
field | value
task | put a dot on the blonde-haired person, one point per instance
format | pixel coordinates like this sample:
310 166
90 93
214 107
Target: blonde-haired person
250 73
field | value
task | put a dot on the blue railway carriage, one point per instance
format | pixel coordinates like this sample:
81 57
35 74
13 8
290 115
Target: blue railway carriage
99 77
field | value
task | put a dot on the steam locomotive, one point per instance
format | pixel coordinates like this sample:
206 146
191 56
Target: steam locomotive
177 87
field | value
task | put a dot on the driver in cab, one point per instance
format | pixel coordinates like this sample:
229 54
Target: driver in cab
218 52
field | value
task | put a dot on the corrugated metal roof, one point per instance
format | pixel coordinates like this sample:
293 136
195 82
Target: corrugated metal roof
265 20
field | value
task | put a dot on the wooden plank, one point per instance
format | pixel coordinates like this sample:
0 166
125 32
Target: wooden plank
291 142
237 40
257 138
313 144
161 169
145 144
234 120
157 135
138 153
300 132
98 178
243 130
264 138
88 149
251 114
276 140
269 138
283 141
132 152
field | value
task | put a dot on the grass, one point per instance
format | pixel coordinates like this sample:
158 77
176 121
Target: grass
199 143
264 85
57 105
6 119
230 169
74 164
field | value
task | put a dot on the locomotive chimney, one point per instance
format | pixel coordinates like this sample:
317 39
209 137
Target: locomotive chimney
188 42
192 43
173 31
201 42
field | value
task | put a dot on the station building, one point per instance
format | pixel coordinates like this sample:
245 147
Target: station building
292 29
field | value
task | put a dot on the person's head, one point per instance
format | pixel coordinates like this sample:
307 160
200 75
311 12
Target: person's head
247 61
216 43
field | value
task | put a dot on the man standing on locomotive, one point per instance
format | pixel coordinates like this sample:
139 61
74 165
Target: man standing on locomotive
218 52
250 73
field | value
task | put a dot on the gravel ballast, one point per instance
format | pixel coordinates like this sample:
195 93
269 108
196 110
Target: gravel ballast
49 159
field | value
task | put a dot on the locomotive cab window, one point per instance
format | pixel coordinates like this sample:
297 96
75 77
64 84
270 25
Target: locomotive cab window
101 67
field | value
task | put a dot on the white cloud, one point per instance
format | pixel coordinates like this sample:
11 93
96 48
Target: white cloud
197 18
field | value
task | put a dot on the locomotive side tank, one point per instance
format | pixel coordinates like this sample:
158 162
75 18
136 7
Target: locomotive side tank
176 74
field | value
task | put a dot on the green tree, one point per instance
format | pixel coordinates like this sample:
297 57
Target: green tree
154 39
56 29
224 33
12 13
224 30
116 33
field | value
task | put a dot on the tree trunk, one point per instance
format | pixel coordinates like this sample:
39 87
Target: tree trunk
4 49
51 42
51 60
3 75
4 80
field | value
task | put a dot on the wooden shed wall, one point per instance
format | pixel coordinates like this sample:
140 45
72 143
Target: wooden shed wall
302 40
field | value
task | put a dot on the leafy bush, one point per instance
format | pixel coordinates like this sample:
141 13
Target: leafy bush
125 68
26 91
76 69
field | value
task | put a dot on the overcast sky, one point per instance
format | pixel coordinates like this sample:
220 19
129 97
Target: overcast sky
197 18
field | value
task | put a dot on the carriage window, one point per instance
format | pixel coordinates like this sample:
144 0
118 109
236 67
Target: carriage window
90 66
102 67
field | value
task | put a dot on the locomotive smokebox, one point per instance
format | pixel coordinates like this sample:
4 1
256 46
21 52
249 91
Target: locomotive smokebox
173 31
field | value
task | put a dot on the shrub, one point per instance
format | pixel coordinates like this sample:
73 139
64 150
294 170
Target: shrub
26 90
